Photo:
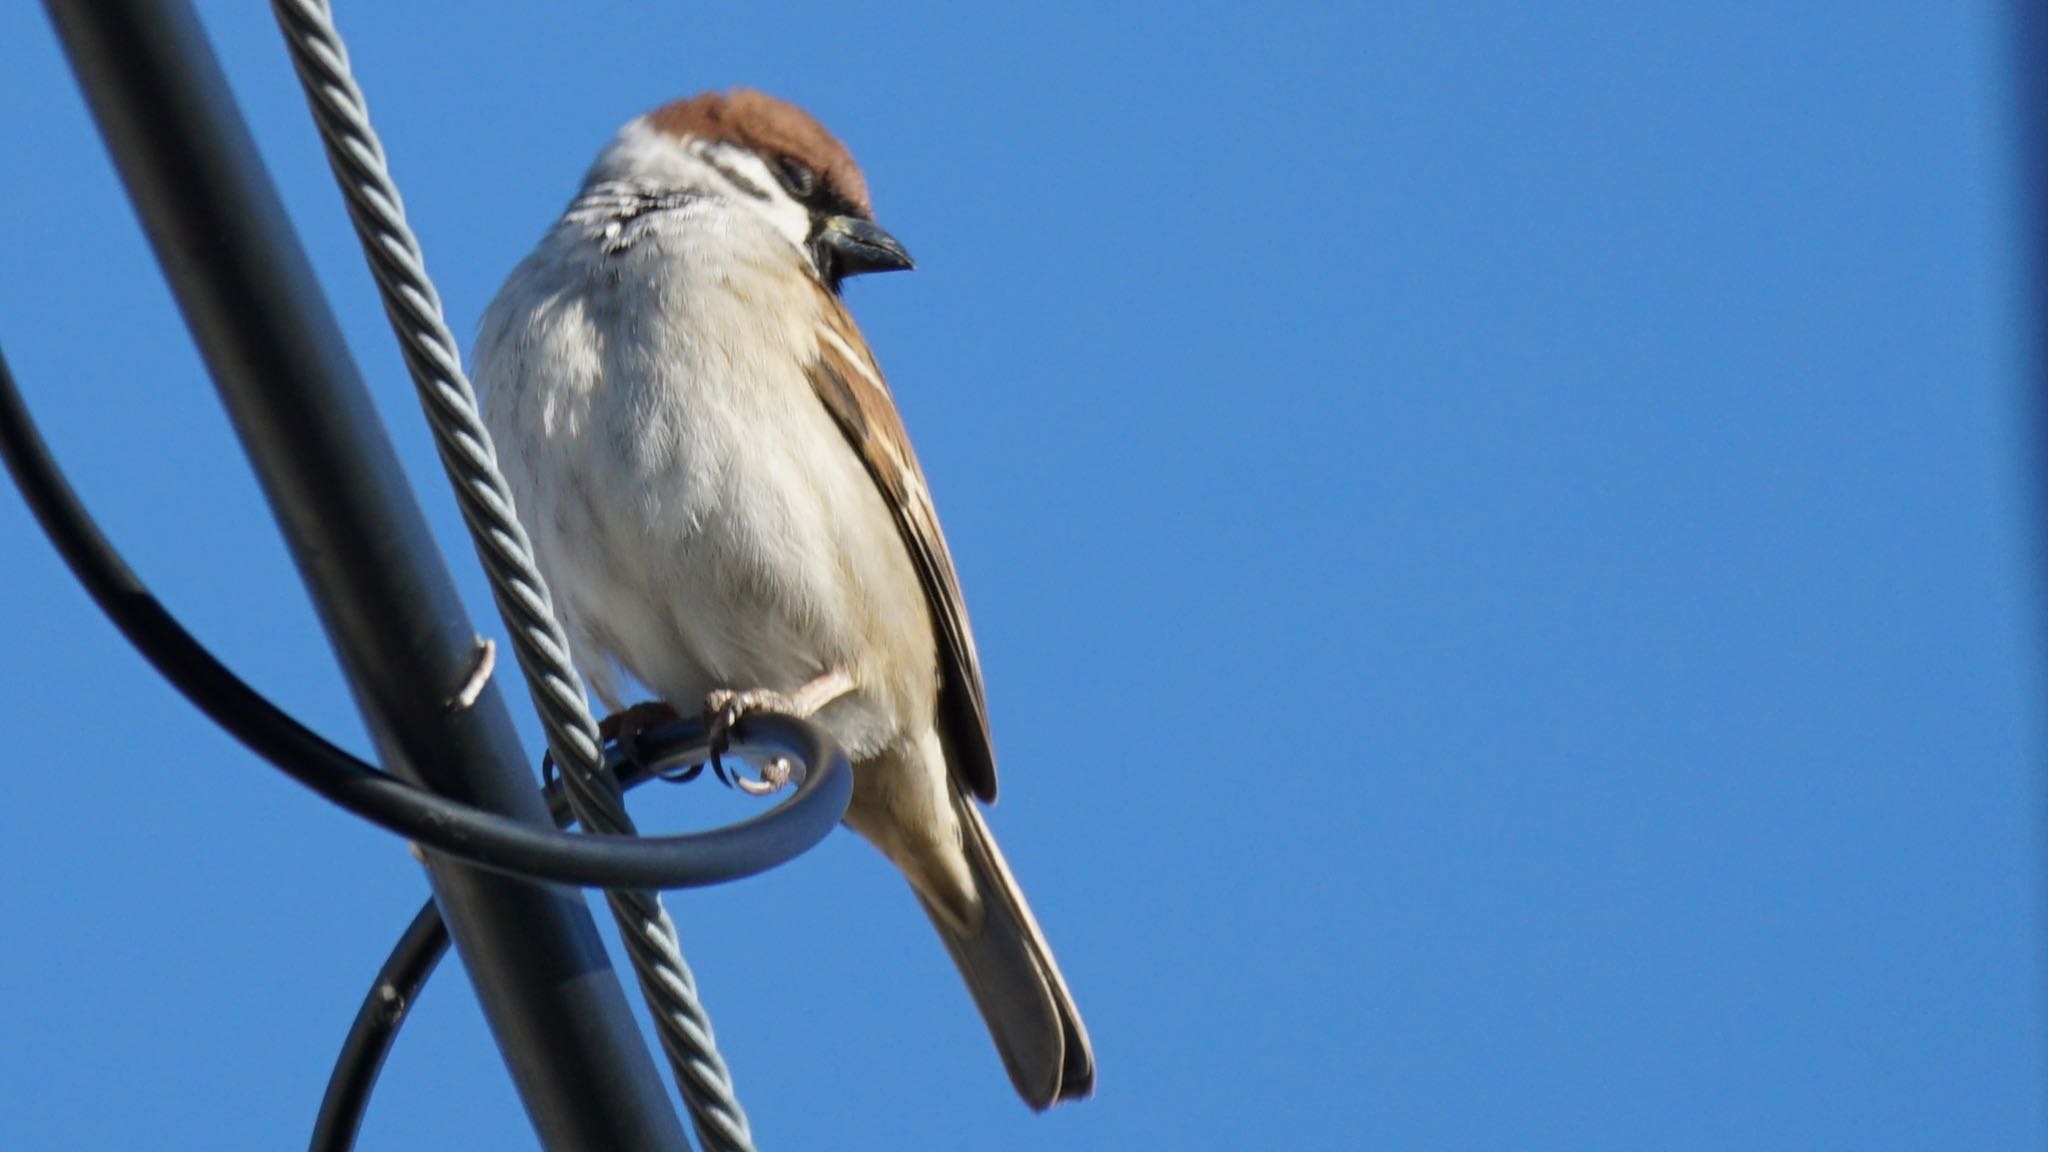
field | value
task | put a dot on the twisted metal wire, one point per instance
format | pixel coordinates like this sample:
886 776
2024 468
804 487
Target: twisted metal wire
435 363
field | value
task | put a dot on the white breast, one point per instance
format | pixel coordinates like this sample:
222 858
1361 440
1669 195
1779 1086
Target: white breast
700 518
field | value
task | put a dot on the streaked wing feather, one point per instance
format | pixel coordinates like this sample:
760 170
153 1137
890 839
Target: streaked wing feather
850 384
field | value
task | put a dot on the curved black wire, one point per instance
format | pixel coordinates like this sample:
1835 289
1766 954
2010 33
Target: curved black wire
433 821
375 1028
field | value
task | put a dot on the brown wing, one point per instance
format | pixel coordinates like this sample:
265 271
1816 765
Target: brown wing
848 381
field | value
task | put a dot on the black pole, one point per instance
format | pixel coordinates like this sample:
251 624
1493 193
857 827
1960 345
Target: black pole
386 600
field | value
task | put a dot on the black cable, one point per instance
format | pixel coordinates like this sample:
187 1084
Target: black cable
436 822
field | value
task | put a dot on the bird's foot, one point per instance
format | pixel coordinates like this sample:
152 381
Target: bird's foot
723 708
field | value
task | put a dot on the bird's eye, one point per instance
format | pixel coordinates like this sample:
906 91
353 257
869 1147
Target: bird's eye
797 176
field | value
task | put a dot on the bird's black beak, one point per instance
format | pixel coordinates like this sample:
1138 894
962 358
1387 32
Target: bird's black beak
850 246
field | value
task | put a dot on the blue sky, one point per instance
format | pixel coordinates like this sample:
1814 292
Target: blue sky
1498 538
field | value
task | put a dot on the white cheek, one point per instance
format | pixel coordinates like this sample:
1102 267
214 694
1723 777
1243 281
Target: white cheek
788 217
791 219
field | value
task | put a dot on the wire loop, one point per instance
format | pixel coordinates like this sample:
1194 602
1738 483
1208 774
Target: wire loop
427 818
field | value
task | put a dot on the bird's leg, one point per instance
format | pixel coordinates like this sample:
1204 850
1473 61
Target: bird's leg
625 725
724 707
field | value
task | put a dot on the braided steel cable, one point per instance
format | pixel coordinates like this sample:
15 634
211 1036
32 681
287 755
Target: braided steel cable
435 363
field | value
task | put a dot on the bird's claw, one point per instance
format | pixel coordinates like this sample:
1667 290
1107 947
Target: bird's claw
624 726
775 776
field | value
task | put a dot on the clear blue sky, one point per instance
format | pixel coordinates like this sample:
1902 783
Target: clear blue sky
1498 539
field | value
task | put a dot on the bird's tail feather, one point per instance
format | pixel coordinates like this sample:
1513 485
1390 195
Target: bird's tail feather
1011 973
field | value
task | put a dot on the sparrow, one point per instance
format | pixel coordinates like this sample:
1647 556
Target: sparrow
724 501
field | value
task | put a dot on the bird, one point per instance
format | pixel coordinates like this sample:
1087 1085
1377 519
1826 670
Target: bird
722 497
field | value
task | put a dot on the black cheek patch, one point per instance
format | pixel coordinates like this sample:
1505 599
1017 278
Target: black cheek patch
738 181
